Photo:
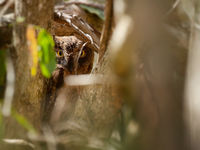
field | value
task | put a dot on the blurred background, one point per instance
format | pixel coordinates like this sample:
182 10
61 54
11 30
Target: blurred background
142 92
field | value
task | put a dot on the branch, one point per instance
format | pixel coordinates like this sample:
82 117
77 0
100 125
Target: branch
66 25
107 29
94 5
19 142
6 7
192 87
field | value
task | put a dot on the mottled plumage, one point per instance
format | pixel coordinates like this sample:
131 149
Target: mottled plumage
75 44
73 58
73 55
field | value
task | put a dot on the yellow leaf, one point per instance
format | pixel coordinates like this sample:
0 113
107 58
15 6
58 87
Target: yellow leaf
32 45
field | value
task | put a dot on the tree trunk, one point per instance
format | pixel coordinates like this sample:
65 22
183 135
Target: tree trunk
29 90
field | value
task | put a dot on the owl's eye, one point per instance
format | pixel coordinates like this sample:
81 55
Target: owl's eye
83 54
59 53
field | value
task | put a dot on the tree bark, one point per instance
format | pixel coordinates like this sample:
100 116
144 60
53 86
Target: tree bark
29 90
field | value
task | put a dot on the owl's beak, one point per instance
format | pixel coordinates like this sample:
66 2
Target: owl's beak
66 70
59 66
69 64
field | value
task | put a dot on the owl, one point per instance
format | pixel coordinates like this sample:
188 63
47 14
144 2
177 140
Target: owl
73 55
76 43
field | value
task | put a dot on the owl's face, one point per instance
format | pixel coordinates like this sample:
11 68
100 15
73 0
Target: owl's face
72 55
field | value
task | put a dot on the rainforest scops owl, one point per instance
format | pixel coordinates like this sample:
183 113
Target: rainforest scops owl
76 45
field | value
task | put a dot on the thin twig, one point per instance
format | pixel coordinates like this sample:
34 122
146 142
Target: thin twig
79 27
86 79
50 138
5 8
19 142
2 2
79 54
192 84
173 6
6 110
107 29
94 5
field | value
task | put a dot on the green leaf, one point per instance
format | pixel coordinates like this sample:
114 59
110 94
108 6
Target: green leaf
23 122
46 54
93 10
45 71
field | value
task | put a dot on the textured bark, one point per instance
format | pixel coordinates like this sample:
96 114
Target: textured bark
29 90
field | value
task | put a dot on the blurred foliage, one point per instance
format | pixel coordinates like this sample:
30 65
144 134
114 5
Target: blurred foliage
23 122
93 10
33 47
42 51
20 19
46 53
